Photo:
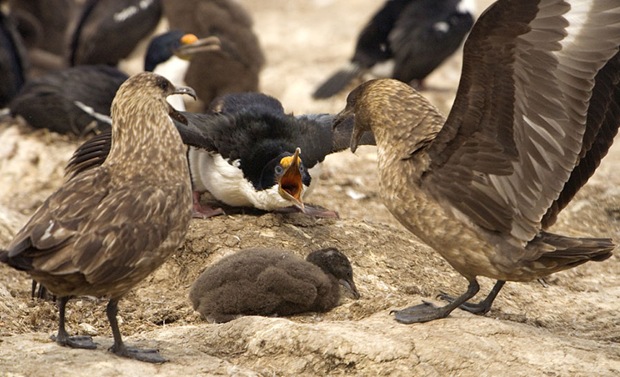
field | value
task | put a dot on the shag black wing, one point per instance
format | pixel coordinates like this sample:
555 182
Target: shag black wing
109 30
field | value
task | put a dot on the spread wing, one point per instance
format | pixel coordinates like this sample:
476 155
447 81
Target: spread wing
602 126
516 130
317 137
240 120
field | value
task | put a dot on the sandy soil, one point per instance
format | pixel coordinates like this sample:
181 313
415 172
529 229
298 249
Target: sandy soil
568 327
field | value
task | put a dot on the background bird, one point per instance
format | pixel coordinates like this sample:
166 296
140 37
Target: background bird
236 68
49 101
13 60
108 31
66 33
530 124
271 282
77 99
110 226
415 36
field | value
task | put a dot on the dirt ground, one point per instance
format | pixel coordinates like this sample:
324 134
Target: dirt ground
568 326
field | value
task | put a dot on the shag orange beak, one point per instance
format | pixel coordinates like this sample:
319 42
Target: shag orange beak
188 39
290 184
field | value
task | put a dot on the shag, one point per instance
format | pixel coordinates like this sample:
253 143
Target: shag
66 33
247 152
107 31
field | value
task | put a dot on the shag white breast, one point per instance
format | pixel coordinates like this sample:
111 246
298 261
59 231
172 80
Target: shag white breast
225 181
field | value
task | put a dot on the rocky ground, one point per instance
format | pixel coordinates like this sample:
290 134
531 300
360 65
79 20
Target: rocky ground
568 327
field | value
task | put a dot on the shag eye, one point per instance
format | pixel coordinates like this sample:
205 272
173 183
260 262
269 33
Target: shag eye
279 169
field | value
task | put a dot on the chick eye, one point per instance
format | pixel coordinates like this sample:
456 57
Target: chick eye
279 169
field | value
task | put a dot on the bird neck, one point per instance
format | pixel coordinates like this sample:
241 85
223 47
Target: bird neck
140 133
406 127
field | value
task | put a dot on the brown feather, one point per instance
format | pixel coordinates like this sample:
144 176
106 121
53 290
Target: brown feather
271 282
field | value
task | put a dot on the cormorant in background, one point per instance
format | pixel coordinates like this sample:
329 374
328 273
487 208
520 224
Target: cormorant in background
415 35
13 61
63 33
77 99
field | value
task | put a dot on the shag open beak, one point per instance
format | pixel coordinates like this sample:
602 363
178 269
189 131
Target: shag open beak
190 45
290 183
350 285
184 90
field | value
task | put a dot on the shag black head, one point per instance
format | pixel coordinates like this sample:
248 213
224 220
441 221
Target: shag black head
287 170
176 42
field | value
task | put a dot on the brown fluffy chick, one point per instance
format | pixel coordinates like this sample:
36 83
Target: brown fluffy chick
271 282
110 226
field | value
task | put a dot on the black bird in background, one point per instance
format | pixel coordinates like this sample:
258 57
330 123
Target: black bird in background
43 26
77 99
49 101
416 36
63 33
13 61
109 30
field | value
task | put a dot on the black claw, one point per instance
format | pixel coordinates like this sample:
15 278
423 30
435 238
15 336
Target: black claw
146 355
480 308
79 341
428 311
424 312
